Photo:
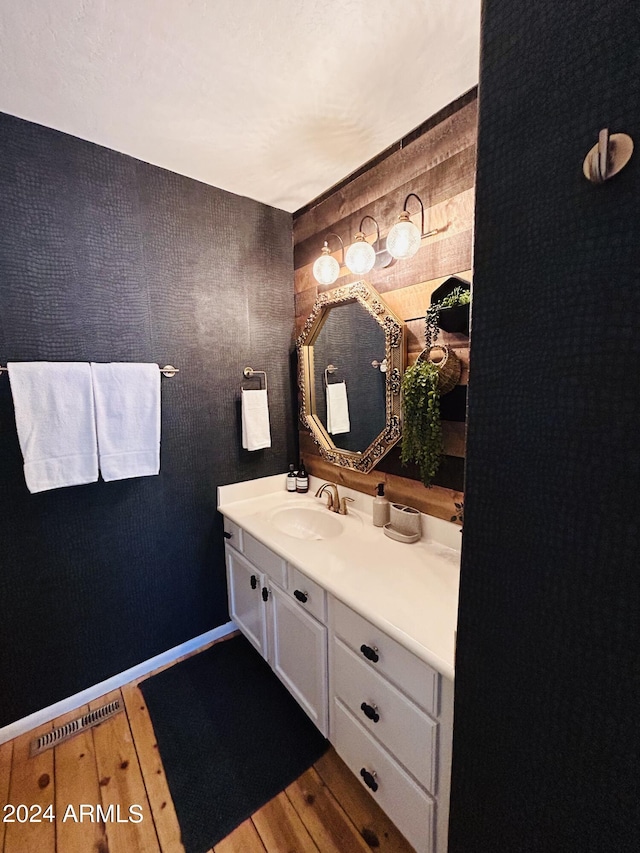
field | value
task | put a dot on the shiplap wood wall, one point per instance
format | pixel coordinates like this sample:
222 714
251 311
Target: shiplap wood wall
439 165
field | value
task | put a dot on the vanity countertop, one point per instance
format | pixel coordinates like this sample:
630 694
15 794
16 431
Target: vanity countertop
408 591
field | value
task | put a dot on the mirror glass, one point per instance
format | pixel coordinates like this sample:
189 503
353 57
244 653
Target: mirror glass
350 405
349 340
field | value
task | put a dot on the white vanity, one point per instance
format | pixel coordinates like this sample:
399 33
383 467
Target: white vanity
361 630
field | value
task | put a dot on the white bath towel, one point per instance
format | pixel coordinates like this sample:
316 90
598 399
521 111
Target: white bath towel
127 399
55 420
337 408
256 432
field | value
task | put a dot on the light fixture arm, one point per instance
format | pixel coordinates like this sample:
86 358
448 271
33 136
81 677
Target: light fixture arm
422 231
404 207
326 242
375 222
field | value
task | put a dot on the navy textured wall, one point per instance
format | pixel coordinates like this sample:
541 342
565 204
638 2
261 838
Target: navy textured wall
106 258
546 737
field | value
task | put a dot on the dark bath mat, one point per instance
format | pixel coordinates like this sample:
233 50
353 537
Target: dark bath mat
230 737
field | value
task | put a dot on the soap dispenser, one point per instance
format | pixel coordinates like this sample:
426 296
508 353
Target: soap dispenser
380 508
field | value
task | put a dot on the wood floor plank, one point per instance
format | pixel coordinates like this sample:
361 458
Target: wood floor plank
243 839
121 783
6 754
155 780
76 784
281 828
372 823
324 818
32 784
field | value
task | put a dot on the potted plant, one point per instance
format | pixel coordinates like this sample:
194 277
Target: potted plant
421 426
449 309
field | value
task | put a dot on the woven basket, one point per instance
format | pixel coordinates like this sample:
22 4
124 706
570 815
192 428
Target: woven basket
448 364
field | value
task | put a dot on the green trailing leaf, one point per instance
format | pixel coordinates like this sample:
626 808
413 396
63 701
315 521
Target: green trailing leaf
458 296
421 426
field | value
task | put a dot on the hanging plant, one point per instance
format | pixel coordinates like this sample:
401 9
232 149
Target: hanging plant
458 296
421 426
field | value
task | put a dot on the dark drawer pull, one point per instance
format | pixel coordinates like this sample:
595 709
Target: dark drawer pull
228 535
370 653
370 711
265 593
369 779
301 596
254 581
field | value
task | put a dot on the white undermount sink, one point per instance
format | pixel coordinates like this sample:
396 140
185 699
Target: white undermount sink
307 522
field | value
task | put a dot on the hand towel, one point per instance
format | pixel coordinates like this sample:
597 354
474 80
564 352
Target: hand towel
56 425
127 400
256 432
337 408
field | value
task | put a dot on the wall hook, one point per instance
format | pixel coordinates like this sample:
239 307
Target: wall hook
608 157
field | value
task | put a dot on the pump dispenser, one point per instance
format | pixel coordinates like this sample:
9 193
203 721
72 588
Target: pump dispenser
380 508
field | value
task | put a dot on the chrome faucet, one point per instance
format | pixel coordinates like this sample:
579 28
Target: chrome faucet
334 504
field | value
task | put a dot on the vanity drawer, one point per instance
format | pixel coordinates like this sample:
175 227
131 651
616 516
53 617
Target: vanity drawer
408 806
233 534
264 559
405 730
413 676
316 597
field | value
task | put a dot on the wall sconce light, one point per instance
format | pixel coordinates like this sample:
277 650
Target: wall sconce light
326 269
361 256
403 241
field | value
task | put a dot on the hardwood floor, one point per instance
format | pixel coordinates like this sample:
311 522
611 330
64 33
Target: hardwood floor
117 764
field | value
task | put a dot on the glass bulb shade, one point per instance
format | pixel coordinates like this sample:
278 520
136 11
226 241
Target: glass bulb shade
326 269
403 241
361 256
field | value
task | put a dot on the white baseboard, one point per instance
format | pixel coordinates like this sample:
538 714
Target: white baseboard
65 705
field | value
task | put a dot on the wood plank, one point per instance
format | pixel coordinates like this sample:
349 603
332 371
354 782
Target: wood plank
32 783
6 755
324 818
435 259
243 839
414 332
455 133
281 828
452 216
447 192
76 783
372 823
436 501
121 783
413 301
155 780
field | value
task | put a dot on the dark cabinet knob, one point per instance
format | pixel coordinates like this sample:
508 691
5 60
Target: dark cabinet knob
370 653
301 596
228 535
370 711
369 779
254 581
265 593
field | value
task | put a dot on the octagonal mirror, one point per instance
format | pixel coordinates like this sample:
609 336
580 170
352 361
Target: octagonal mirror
351 355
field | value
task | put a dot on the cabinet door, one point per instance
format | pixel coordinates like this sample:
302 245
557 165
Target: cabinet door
246 607
299 655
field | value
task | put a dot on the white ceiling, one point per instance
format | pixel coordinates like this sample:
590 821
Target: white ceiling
273 99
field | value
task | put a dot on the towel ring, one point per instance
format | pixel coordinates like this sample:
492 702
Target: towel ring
330 368
249 372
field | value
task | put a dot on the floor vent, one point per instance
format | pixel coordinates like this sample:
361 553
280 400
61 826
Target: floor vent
57 735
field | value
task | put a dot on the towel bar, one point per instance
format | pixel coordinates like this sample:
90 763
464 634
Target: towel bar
168 370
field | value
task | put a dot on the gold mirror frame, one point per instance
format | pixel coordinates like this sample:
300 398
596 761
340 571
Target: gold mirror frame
395 349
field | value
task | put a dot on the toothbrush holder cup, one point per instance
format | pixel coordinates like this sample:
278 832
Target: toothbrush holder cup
405 519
